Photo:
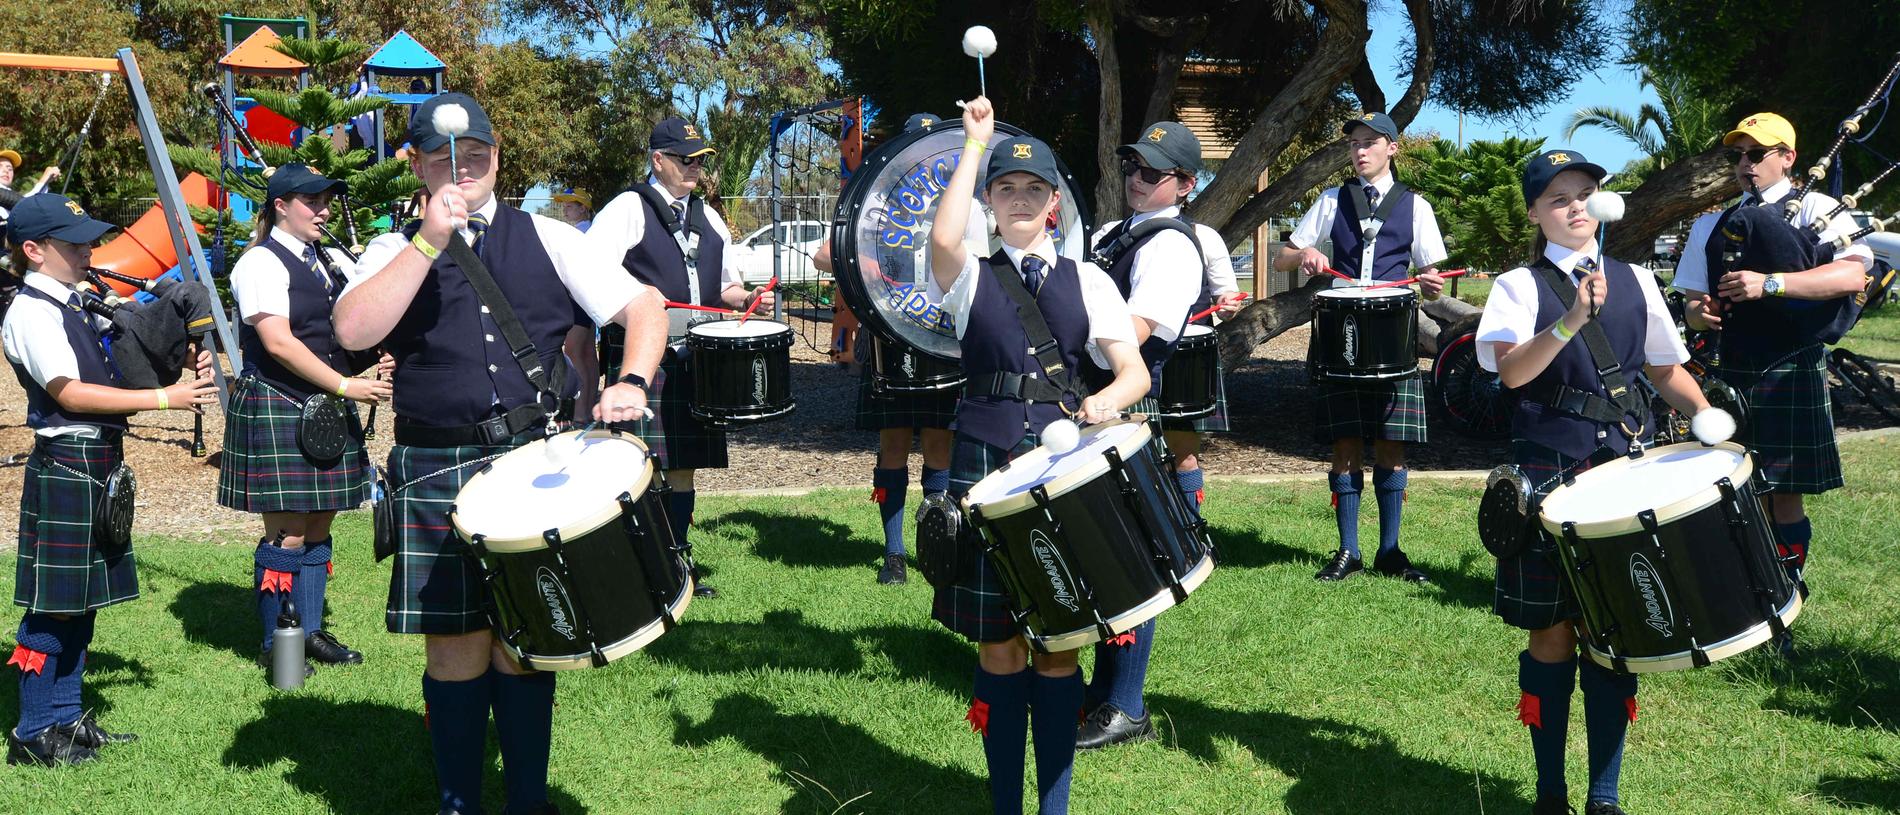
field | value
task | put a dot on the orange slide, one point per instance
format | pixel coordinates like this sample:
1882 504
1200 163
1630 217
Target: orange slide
144 249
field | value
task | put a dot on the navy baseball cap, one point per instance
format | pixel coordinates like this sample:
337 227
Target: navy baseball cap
1546 165
1022 154
297 177
1167 146
1379 122
919 121
679 137
48 215
426 138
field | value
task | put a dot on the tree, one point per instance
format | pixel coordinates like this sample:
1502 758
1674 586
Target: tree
1683 125
1481 184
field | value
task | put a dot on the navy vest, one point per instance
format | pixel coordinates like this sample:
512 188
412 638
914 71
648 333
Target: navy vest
309 317
994 342
1392 252
1625 321
657 261
1758 333
42 410
451 360
1154 351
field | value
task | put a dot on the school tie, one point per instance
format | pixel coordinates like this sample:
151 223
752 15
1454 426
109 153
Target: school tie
1372 196
1034 270
1586 266
314 262
679 215
477 226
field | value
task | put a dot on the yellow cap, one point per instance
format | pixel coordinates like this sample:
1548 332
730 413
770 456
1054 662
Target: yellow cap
1768 129
574 195
10 156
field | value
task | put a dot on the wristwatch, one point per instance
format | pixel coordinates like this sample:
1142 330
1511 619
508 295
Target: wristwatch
637 381
1773 286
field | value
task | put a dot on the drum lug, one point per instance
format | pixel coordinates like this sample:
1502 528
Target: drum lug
477 544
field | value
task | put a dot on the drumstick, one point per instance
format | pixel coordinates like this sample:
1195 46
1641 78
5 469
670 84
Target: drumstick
691 307
1196 317
1410 280
1341 275
769 285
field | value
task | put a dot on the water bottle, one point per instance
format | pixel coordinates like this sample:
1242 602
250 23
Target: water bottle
287 662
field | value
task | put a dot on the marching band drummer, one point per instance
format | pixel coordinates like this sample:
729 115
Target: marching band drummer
1526 337
1088 319
667 238
78 414
1765 353
284 291
461 399
1377 234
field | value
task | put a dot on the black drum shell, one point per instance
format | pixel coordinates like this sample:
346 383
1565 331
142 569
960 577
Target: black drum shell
1360 339
896 367
1190 379
741 380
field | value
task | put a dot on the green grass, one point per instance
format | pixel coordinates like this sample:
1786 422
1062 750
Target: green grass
809 689
1877 335
1472 290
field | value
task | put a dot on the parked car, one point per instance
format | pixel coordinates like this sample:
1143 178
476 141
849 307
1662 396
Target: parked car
800 239
1668 249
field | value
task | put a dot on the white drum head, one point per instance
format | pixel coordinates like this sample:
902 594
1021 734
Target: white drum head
1040 467
1196 330
732 329
527 492
1348 292
1662 477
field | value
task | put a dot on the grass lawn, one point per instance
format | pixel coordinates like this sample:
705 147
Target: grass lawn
1877 335
809 689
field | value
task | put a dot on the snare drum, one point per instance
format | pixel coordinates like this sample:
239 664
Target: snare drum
1671 558
742 371
578 555
897 367
1363 334
1190 379
1091 543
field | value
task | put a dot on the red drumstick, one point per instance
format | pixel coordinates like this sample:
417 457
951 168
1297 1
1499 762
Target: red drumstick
1339 274
1196 317
691 307
1410 280
769 285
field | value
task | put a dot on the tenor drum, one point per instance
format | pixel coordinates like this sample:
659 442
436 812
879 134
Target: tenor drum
1093 542
1190 379
1363 334
576 549
1671 558
742 371
896 367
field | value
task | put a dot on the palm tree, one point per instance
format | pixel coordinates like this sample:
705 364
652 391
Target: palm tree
1685 124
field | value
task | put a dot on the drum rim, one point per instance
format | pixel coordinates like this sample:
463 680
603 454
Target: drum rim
1667 513
586 525
640 638
693 330
1365 293
1069 481
1682 660
1131 619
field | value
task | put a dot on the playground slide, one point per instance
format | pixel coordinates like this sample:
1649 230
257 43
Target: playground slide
144 249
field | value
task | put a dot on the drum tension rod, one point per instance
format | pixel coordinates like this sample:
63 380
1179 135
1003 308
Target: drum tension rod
585 621
1594 608
1698 656
1149 536
630 523
1735 512
1059 540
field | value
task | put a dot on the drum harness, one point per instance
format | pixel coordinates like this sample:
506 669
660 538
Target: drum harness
1356 193
685 233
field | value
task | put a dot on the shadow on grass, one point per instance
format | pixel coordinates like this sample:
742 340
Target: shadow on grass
784 641
1329 761
832 763
104 670
1882 794
221 615
1246 549
1472 583
384 764
801 540
1831 681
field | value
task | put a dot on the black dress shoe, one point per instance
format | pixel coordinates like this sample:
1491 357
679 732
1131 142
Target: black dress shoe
893 572
53 747
87 733
1399 566
1552 806
703 591
1341 567
1109 726
1602 808
322 646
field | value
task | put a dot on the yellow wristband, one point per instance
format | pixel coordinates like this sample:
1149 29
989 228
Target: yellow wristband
423 246
1561 332
164 400
343 387
979 144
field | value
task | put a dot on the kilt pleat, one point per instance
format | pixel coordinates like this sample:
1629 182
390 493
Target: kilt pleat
675 439
1790 423
263 470
436 584
1392 410
59 569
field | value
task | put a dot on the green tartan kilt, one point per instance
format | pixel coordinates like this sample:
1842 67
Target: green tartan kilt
674 437
976 607
262 468
1790 422
435 585
60 570
1392 410
1531 591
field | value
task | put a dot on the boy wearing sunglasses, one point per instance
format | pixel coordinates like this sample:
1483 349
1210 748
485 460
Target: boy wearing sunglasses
669 239
1767 354
1380 230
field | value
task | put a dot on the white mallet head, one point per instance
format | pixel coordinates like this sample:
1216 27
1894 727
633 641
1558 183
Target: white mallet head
979 41
1061 436
1605 206
561 450
1712 426
450 120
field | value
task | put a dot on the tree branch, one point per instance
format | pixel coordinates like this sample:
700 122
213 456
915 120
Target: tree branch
1169 59
1108 123
1681 190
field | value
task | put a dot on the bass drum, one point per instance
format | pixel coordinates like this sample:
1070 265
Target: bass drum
880 235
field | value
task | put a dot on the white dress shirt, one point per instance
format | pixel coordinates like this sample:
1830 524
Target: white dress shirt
1166 278
1510 311
1109 320
261 284
1428 245
35 337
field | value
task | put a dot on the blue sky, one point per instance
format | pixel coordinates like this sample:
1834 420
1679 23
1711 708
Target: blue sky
1613 84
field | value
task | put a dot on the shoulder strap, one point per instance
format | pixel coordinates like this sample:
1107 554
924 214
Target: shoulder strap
490 295
1042 343
1616 381
664 211
1356 193
1125 238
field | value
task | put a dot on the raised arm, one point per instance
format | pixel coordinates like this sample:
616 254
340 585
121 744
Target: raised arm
953 209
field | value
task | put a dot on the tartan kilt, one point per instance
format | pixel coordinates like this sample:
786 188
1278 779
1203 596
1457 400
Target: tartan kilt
60 570
262 468
1531 591
922 409
976 607
436 585
1215 422
675 439
1790 422
1392 410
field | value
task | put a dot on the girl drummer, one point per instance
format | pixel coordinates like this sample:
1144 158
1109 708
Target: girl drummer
1526 336
284 291
1085 315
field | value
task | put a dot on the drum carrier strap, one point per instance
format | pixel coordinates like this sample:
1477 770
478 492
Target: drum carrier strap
546 385
683 231
1126 237
1625 397
1042 344
1360 206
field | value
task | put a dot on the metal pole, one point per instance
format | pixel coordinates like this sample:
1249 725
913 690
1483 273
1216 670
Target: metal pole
778 305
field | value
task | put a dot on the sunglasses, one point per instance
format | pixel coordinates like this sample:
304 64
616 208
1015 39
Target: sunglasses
689 161
1754 155
1149 175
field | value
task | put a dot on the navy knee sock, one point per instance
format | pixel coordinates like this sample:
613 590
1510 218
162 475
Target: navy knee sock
457 717
1609 705
1000 711
43 641
1057 703
1346 487
313 579
935 480
888 488
1121 670
274 574
1389 487
1794 544
1545 708
69 686
679 510
1190 482
524 723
